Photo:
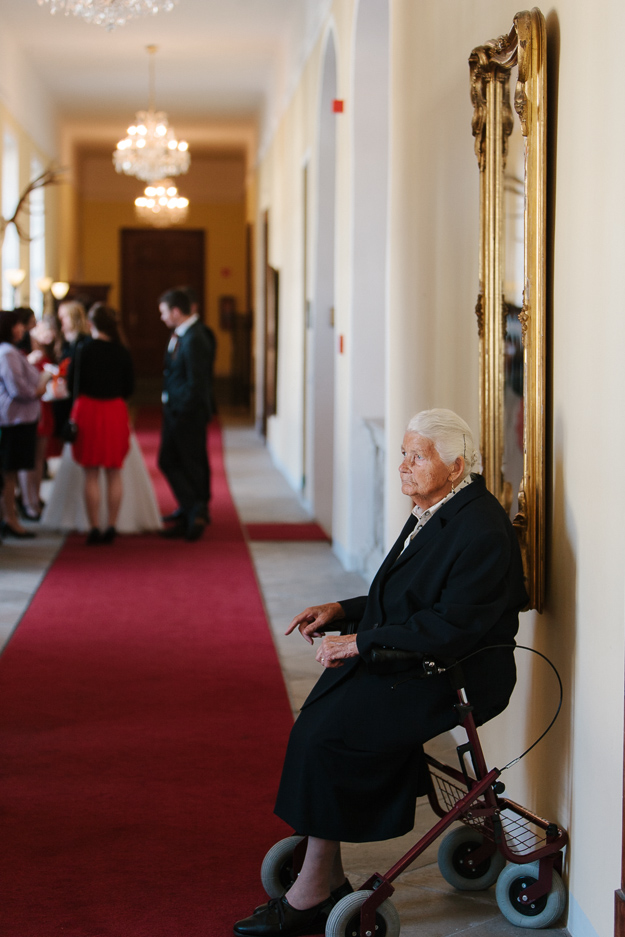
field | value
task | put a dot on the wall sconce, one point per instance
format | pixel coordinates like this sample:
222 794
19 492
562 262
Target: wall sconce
60 289
44 284
15 277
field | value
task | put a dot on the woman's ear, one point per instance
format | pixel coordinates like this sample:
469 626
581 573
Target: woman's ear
457 471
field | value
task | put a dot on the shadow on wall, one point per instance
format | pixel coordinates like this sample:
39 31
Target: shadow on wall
548 772
549 767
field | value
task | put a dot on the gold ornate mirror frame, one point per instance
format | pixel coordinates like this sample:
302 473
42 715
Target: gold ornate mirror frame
491 66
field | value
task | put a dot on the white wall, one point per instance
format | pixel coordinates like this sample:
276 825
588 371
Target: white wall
430 340
26 97
29 116
320 343
366 351
434 280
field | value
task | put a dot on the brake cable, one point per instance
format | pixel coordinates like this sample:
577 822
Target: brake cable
521 647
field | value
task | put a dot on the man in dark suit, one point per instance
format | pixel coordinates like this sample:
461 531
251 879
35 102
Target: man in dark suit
194 306
450 588
187 409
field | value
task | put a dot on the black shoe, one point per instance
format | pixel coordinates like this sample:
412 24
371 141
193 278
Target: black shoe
342 891
278 919
336 895
109 535
93 537
195 529
176 515
9 531
178 530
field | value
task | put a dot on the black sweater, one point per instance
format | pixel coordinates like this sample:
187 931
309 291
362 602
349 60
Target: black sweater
104 370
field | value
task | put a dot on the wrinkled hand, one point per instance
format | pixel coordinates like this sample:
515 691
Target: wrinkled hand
335 648
313 621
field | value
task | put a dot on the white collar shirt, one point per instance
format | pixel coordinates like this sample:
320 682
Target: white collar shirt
180 330
423 516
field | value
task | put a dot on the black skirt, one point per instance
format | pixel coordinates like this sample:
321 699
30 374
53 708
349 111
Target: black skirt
17 447
354 763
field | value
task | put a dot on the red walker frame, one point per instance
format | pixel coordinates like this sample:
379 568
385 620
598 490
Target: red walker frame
455 795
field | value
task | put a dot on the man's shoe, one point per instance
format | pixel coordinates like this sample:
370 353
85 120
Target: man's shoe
195 529
176 515
278 919
170 533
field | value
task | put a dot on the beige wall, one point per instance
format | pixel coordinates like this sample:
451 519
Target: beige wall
217 195
575 776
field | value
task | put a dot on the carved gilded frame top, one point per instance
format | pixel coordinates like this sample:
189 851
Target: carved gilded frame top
492 123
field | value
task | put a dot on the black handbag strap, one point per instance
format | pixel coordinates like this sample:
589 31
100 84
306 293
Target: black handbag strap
76 371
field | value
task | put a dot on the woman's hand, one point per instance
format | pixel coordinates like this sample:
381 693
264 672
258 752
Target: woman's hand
44 377
313 621
335 648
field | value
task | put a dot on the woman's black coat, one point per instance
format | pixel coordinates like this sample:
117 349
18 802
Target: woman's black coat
456 589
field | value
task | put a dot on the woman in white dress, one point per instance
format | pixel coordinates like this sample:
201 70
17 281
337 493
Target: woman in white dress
66 508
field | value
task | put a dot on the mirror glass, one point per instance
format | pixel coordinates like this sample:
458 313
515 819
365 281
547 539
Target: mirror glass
513 242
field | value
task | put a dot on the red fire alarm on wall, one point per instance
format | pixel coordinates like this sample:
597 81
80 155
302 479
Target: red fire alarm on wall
337 106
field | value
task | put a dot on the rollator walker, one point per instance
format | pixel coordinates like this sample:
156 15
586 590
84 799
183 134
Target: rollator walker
499 841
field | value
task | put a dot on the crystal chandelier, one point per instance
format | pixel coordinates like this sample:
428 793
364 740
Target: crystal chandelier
161 205
108 13
151 151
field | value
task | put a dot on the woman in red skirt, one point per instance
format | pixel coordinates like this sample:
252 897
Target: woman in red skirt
105 379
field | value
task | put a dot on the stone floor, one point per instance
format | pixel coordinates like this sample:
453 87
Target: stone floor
23 564
292 576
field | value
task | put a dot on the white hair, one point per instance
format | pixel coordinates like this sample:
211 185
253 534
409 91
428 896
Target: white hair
451 436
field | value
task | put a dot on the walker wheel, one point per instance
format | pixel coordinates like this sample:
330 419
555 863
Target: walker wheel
344 918
456 865
541 913
276 871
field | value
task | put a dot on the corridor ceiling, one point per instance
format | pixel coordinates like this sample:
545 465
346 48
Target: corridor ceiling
217 60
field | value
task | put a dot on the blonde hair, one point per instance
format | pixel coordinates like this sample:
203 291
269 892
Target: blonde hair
75 311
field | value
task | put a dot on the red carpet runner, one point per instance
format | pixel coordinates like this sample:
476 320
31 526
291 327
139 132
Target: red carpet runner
144 719
299 532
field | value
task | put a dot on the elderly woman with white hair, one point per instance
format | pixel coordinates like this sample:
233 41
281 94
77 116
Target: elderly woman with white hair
452 585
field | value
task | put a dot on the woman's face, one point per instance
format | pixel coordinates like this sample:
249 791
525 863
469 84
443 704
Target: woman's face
424 476
17 332
66 322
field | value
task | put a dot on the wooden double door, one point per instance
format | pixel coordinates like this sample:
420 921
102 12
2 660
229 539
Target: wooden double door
153 261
